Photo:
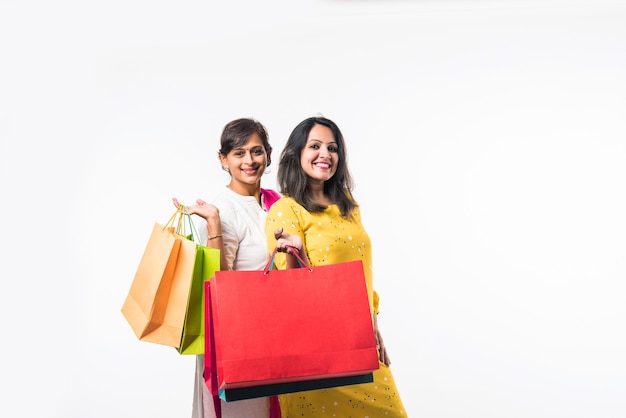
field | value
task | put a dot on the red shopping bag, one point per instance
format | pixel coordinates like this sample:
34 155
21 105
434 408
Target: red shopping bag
281 331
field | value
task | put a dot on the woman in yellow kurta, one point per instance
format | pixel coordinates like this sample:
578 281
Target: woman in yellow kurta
319 218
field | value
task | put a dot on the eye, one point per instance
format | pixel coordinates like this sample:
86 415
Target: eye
239 153
258 151
313 145
333 148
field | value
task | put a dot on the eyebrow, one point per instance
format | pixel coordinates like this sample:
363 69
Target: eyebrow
252 147
319 140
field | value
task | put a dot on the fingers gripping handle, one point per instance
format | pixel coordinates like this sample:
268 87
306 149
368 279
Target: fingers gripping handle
293 251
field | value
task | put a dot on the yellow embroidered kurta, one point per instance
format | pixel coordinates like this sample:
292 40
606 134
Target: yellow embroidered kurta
329 239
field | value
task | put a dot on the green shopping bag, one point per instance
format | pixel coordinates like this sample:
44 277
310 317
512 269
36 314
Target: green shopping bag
207 261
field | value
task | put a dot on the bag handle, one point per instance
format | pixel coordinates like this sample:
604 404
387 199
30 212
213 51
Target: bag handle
169 225
176 224
294 251
193 232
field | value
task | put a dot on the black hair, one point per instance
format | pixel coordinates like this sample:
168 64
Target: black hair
292 181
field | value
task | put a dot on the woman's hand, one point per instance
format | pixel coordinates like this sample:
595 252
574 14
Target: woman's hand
382 350
292 245
201 208
286 243
212 216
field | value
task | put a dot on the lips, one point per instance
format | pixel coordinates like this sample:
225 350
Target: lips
323 166
249 171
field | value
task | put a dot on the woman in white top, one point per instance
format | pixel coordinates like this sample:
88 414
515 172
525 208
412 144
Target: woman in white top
234 223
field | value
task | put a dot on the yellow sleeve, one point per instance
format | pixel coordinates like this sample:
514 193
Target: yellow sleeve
281 215
376 300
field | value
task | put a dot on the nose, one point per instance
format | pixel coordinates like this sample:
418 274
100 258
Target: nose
247 158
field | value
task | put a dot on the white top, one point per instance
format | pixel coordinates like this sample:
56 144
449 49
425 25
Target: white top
243 230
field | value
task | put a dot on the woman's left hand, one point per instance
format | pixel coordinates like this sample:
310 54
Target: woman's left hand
382 350
380 344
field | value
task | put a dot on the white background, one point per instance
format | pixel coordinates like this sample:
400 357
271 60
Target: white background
486 138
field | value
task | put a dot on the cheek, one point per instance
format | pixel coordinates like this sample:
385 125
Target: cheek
303 160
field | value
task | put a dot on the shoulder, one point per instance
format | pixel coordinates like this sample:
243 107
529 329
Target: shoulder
270 194
286 203
285 209
224 200
228 204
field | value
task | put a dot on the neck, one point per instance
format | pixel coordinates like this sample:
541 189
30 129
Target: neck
246 189
317 193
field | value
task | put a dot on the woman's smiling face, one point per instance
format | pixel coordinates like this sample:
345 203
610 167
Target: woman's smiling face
247 163
319 157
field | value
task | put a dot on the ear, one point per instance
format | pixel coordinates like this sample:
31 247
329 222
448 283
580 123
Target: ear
222 159
269 157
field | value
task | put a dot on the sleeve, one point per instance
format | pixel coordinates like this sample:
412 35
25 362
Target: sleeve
376 302
281 215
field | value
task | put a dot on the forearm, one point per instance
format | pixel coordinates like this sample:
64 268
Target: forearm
215 239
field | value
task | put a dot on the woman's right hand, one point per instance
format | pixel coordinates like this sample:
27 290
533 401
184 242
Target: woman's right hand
201 208
291 244
285 243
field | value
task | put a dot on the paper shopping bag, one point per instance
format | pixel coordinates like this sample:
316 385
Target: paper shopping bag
206 263
281 331
157 300
210 367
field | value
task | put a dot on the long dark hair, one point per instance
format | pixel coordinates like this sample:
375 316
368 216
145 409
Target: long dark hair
292 180
237 132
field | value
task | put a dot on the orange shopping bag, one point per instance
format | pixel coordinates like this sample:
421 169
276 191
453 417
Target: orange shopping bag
157 300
